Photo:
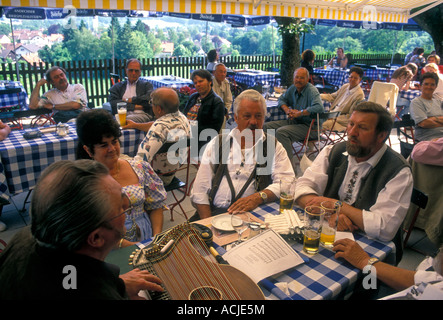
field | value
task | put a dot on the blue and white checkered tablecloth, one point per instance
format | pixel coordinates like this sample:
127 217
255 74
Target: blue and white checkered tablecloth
321 277
409 94
168 81
379 74
24 160
251 78
274 112
334 76
13 99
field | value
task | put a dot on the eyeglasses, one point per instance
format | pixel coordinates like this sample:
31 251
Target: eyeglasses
134 70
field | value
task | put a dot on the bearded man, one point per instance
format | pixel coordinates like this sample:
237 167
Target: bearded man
373 182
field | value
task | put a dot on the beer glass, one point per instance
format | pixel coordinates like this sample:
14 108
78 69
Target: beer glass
312 230
287 190
330 222
121 109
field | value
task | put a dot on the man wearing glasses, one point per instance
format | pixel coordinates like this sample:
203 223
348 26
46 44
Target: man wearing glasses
78 217
344 100
135 92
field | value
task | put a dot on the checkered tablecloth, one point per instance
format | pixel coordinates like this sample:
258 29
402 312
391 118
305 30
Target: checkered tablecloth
24 160
321 277
409 94
379 74
168 81
251 78
333 76
274 112
13 99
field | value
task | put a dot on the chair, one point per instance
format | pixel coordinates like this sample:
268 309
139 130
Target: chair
114 78
332 136
2 245
318 80
176 185
303 145
402 127
420 199
384 93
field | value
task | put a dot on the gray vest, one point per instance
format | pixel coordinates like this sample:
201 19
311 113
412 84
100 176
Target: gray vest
376 179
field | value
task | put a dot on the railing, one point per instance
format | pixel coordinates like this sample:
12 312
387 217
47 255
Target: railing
95 74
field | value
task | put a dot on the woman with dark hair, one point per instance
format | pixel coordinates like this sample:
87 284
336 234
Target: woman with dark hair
307 60
212 59
98 139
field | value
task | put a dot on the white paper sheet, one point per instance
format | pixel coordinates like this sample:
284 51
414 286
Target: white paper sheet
262 256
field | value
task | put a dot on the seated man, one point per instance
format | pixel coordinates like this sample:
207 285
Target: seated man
300 101
170 125
344 100
134 91
222 87
246 159
66 100
204 109
78 214
373 182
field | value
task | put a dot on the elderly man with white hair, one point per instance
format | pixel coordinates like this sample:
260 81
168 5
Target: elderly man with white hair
241 169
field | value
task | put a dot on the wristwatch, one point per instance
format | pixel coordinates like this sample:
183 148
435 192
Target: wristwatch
264 196
372 261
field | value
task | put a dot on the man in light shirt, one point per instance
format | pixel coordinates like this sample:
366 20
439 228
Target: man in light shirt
247 152
344 100
373 182
135 92
64 99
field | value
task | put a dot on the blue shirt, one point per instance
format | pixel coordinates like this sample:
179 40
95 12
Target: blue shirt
308 99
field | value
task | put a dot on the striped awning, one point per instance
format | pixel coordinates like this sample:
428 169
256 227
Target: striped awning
362 10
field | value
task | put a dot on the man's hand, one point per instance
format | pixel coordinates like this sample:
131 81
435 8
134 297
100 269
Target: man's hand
42 82
345 224
246 204
136 280
130 124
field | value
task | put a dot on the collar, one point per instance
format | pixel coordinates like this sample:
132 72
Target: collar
134 83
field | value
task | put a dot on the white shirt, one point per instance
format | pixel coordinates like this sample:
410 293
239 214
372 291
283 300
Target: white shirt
223 90
237 163
74 92
130 90
384 218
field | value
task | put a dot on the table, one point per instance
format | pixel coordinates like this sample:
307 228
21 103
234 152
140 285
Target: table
334 76
338 77
409 94
253 77
168 81
322 277
23 160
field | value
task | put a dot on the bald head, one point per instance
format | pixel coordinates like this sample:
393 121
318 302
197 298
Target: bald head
165 98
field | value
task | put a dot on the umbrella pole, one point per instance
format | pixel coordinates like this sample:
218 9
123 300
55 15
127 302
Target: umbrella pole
15 54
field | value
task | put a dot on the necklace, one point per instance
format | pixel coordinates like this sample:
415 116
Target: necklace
116 174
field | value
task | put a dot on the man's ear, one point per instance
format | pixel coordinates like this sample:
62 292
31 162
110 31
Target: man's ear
95 239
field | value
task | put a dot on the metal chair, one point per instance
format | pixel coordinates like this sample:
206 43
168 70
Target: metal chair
176 185
420 199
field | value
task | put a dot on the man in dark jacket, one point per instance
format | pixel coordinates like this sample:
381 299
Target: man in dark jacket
78 214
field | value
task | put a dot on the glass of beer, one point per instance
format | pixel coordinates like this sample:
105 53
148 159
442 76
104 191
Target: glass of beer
287 190
121 109
312 230
330 222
